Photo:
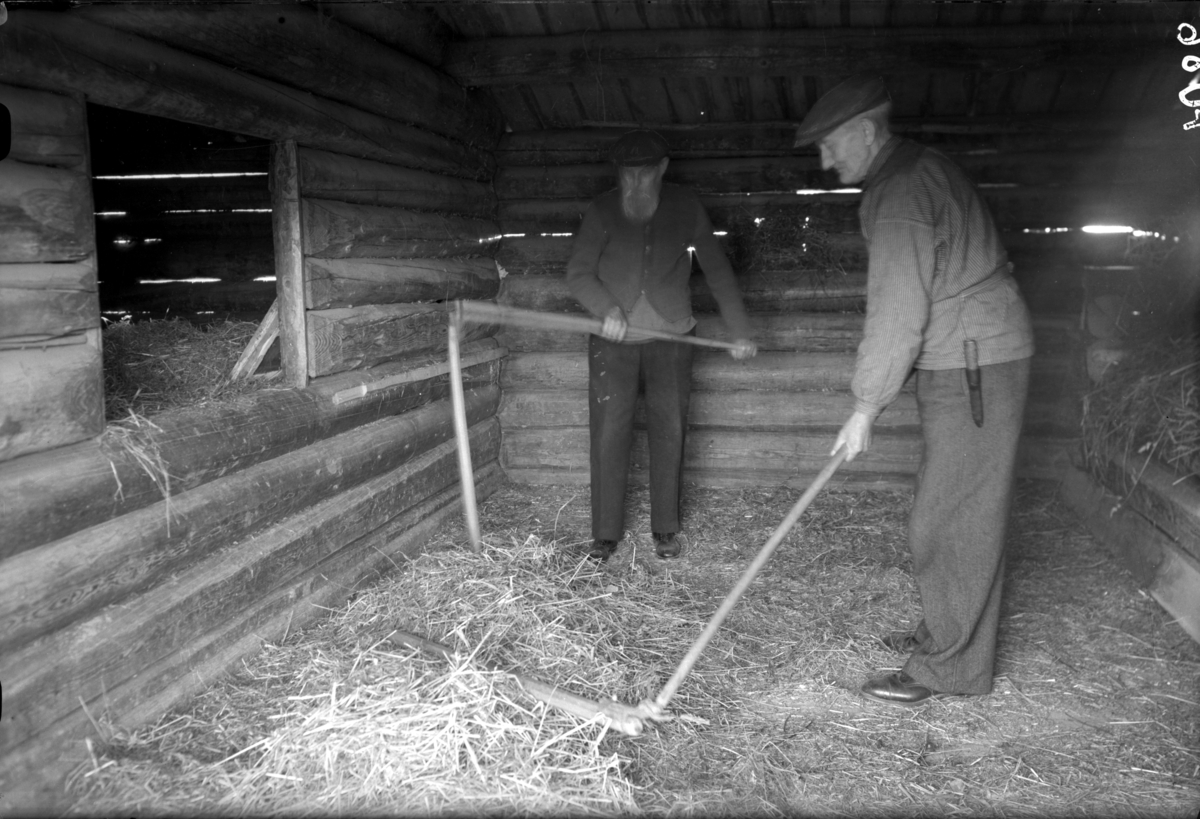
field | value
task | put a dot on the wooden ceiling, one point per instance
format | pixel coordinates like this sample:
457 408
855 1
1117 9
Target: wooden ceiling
995 67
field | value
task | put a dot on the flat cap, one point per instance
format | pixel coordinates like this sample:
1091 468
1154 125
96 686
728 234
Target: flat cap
845 100
641 147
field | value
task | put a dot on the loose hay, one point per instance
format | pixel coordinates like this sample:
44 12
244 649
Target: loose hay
1094 711
152 366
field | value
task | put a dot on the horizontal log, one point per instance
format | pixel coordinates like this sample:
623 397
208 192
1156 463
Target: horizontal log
754 458
414 30
292 46
47 128
53 494
1165 498
348 338
677 53
64 52
32 774
48 214
79 276
340 230
86 658
333 176
50 397
45 588
46 313
765 291
740 409
347 282
1062 133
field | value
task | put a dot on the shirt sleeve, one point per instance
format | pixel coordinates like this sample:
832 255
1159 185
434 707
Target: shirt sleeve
583 266
900 269
720 276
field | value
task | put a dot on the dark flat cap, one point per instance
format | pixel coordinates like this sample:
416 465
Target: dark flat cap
845 100
636 148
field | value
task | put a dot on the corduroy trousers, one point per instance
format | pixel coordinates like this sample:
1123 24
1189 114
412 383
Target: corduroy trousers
959 522
614 371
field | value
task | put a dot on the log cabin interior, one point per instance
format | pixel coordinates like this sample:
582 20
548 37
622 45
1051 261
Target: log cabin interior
402 155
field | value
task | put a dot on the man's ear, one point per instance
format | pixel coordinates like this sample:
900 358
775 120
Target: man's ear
869 131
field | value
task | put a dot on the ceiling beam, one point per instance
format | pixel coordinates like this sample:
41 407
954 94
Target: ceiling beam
787 52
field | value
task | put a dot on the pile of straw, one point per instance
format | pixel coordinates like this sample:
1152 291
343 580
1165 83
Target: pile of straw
152 366
1147 406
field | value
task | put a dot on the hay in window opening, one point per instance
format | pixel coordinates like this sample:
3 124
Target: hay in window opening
152 366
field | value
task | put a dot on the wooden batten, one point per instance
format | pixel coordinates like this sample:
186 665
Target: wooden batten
341 230
292 45
48 587
48 214
62 51
47 129
134 662
325 175
350 338
50 495
349 282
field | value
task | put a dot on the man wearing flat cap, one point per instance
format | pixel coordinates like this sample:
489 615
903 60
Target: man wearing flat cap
630 265
941 299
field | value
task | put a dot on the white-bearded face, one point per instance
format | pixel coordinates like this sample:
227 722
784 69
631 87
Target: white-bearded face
640 189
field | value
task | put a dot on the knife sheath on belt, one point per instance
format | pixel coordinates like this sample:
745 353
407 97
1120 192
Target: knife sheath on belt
971 351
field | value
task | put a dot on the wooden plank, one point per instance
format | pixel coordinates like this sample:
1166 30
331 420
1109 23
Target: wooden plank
50 397
47 213
50 495
46 588
292 46
324 175
260 342
65 52
350 338
105 651
32 775
340 230
47 129
289 231
347 282
1171 575
741 409
718 53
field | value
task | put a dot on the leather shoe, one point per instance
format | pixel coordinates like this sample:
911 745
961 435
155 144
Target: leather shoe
666 545
602 549
898 689
902 642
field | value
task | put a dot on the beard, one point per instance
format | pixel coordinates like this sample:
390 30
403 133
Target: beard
639 203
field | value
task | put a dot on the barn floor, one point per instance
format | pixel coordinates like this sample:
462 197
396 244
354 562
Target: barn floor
1096 709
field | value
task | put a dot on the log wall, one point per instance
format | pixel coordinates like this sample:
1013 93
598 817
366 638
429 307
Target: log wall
126 589
770 420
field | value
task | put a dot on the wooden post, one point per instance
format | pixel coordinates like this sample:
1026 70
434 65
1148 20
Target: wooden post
460 430
289 262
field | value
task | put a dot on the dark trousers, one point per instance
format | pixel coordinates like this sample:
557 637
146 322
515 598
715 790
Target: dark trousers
959 522
613 373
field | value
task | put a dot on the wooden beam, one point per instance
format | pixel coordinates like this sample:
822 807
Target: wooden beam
50 495
825 52
46 128
350 282
340 230
47 214
412 30
288 229
332 176
295 45
58 51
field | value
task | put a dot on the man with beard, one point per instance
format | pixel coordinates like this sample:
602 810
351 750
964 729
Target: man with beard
941 299
630 266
